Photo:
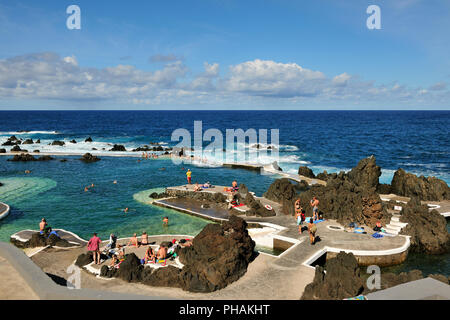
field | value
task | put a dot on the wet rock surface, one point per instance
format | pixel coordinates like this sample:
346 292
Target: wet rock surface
118 147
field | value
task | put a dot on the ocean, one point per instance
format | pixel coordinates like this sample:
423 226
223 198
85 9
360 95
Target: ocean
417 141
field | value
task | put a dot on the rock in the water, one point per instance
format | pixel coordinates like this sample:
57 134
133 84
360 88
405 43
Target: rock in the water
23 157
73 141
341 280
87 157
28 141
45 158
409 185
428 229
2 150
88 140
58 143
38 141
118 147
306 172
219 256
16 148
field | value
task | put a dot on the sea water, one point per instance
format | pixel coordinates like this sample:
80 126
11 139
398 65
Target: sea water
417 141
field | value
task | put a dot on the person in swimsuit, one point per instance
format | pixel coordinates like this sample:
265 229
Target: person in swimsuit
315 206
188 176
166 221
298 215
133 241
149 255
94 247
162 252
312 228
144 238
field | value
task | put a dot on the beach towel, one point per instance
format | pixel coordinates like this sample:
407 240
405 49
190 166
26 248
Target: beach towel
359 230
238 205
376 235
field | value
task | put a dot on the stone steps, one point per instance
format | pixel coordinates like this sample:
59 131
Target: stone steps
395 226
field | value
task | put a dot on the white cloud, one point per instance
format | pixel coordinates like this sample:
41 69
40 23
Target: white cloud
47 76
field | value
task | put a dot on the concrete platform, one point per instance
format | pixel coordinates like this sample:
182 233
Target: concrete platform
423 289
443 207
4 210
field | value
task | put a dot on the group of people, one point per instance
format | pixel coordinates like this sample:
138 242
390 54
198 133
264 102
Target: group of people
300 218
146 155
117 252
86 189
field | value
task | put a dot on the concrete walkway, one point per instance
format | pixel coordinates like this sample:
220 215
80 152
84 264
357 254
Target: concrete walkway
4 210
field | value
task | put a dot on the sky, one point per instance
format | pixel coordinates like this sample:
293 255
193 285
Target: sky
211 54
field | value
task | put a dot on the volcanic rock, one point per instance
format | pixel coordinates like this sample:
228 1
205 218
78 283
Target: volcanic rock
88 140
23 157
73 141
28 141
2 150
118 147
84 259
130 269
163 277
58 143
428 229
366 173
341 280
87 157
219 256
38 240
306 172
426 188
16 148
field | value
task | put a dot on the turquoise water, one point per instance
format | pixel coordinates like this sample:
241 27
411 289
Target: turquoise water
55 190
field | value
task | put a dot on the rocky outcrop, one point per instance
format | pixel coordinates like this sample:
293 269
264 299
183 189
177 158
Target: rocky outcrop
163 277
428 229
256 208
84 259
281 189
219 256
38 240
58 143
341 199
341 280
425 188
12 141
215 197
73 141
344 279
366 173
87 157
23 157
118 147
16 148
2 150
28 141
384 188
155 195
88 140
306 172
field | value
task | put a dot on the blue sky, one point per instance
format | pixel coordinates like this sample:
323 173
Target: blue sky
225 54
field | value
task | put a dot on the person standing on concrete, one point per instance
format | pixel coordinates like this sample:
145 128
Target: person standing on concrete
188 176
94 247
315 207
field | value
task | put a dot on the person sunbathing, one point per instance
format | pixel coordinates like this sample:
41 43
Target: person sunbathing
133 241
144 238
185 243
197 187
149 255
162 252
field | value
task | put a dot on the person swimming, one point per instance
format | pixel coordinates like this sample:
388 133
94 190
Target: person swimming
165 221
125 210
